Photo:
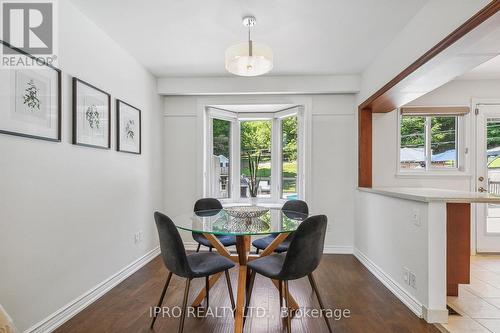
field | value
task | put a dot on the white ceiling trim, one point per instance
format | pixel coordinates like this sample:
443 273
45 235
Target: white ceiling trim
262 85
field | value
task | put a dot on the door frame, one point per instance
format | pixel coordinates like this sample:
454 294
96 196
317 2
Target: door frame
475 104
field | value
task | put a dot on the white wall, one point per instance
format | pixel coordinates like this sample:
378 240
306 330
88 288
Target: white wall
333 158
387 240
392 241
67 213
460 92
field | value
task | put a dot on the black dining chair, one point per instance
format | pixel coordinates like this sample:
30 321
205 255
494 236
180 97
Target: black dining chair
289 207
191 266
301 259
205 205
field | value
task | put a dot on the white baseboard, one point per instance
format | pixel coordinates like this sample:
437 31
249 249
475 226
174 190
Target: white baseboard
337 249
65 313
407 299
328 249
435 316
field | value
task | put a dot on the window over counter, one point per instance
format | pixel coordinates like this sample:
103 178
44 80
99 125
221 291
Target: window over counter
431 139
255 154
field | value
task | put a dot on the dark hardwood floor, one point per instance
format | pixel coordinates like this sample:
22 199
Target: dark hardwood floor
342 280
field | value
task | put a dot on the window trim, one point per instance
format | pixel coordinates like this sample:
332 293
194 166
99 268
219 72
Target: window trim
276 151
460 144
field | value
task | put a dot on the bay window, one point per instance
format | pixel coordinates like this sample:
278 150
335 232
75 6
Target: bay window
254 154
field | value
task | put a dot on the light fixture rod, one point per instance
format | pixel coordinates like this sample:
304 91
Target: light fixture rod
249 22
250 51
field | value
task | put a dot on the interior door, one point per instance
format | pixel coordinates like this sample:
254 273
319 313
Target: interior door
488 177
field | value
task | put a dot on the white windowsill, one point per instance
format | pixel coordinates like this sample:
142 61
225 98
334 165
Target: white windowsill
268 204
433 174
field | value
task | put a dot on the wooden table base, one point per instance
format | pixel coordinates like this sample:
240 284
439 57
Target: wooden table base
242 258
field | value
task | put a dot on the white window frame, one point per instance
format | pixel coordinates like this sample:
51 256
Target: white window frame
276 152
429 170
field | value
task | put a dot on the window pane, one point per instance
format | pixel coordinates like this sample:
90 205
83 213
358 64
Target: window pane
221 158
289 130
412 149
255 159
443 142
493 164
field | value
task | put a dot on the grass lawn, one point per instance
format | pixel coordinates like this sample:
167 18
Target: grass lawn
289 171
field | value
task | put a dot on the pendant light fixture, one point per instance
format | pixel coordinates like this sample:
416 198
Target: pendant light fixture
249 58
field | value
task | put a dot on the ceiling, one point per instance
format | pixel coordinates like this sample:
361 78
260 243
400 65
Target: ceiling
486 71
189 37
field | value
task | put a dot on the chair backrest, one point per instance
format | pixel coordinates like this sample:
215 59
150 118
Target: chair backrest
172 247
298 206
207 204
306 248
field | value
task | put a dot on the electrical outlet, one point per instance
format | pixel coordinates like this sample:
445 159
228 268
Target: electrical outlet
415 217
413 280
406 275
138 236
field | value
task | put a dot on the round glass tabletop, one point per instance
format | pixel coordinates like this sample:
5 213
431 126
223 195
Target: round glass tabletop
242 220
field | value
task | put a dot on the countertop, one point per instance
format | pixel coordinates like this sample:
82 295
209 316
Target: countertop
426 194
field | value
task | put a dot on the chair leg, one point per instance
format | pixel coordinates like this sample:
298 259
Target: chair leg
210 250
288 315
249 293
198 248
230 288
207 289
315 288
257 252
280 286
160 302
184 304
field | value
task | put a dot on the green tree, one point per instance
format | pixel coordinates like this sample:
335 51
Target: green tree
255 136
412 132
493 134
221 133
443 134
289 129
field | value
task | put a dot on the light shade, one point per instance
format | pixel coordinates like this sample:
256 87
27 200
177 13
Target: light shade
239 62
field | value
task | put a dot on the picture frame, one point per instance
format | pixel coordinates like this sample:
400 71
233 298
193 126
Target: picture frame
31 100
91 115
128 128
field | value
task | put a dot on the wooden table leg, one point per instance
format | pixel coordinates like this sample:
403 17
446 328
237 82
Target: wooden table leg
242 248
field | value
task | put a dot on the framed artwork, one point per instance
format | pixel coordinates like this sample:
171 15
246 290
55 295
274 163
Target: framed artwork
91 116
128 128
30 100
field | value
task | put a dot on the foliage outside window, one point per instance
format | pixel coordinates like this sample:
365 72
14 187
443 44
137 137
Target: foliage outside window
289 137
428 142
221 130
255 164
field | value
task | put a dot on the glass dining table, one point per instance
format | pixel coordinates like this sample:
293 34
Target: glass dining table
241 222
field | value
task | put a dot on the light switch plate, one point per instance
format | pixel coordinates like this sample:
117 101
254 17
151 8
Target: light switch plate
415 217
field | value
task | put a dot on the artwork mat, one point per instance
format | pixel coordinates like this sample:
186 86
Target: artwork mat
83 94
20 109
17 124
125 112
